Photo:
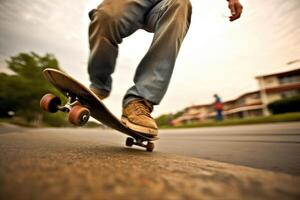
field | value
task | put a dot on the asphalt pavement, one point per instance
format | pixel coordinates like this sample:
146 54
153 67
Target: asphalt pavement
273 147
79 163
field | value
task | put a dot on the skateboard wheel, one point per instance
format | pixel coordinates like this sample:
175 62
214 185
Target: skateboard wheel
49 103
129 142
79 115
150 146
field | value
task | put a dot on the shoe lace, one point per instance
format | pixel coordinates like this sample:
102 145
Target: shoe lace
141 108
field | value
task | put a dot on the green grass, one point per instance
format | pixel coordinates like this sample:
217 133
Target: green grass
15 121
288 117
51 122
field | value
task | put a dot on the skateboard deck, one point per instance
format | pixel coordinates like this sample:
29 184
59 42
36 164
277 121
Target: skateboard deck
78 94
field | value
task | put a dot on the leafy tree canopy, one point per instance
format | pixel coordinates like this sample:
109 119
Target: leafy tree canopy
21 92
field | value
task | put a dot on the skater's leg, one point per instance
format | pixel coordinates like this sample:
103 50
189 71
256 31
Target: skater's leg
169 20
104 40
110 22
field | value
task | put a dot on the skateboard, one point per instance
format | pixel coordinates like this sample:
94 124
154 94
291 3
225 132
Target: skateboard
83 103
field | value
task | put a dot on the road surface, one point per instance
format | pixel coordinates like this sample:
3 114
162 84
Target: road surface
267 146
94 164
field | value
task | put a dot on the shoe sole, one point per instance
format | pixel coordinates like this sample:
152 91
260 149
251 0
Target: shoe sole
141 129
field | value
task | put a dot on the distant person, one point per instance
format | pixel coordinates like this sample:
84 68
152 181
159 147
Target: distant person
218 108
114 20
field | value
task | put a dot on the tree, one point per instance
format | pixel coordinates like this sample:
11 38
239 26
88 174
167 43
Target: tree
22 91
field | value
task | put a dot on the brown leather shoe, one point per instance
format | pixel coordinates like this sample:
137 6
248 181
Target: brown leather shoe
98 93
136 116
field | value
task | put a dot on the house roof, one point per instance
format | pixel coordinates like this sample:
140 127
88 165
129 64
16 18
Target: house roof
241 96
230 101
246 106
198 106
286 73
283 88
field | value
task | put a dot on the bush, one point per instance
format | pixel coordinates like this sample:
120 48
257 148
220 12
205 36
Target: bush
291 104
164 119
58 119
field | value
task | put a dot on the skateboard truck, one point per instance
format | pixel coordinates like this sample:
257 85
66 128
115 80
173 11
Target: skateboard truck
140 142
78 114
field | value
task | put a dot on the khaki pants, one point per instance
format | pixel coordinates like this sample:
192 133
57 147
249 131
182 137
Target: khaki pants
114 20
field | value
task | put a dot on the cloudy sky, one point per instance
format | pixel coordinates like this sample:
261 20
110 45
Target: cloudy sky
217 56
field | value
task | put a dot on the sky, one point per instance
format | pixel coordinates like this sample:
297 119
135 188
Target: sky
217 56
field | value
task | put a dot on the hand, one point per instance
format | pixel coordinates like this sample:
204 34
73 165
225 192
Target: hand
236 9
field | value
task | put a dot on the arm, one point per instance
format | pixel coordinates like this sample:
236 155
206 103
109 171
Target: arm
236 9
